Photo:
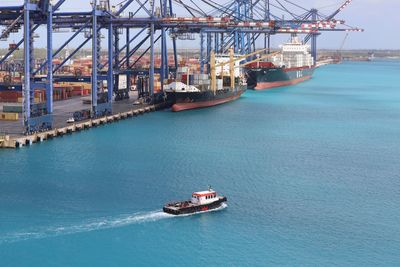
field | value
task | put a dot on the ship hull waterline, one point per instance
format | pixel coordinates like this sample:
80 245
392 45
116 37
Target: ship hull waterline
185 101
269 85
263 79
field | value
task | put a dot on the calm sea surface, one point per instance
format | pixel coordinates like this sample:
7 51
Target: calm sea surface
311 172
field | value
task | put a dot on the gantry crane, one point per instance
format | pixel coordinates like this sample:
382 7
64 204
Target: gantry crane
237 24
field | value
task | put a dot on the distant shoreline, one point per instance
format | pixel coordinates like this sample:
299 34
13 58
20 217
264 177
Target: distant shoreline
190 52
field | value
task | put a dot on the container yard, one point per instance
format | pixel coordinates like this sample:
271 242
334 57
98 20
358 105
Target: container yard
135 62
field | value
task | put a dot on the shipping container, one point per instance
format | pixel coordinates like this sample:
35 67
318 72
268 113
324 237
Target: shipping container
201 79
191 79
12 109
8 116
220 84
184 78
10 96
182 69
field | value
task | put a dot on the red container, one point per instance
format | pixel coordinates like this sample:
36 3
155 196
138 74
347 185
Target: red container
184 78
10 96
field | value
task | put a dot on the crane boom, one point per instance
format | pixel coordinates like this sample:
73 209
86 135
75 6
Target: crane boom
337 11
343 6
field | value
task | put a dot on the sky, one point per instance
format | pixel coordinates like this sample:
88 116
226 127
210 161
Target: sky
379 18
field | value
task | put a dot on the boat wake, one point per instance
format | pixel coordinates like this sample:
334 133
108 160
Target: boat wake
88 226
94 225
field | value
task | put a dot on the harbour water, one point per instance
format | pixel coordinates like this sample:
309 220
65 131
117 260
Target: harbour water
311 173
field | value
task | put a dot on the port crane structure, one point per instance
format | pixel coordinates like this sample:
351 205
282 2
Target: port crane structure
138 28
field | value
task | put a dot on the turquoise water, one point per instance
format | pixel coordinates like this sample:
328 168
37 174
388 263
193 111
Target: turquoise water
311 173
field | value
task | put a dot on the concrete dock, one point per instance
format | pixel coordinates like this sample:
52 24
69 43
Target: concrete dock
11 132
7 141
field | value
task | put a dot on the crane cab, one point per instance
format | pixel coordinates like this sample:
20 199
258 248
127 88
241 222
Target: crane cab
13 46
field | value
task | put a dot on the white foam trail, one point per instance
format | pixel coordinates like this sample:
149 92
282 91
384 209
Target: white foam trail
223 206
98 224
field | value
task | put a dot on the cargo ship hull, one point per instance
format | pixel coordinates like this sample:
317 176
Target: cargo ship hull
267 78
194 100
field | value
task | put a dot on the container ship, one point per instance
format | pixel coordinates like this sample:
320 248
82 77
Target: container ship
226 82
294 64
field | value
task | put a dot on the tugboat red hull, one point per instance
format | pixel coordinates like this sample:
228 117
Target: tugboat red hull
180 208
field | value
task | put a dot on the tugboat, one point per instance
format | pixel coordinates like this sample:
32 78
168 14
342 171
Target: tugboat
200 201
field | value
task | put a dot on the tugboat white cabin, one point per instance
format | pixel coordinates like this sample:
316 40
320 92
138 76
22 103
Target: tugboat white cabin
204 197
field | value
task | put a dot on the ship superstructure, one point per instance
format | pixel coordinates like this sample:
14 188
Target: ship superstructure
226 82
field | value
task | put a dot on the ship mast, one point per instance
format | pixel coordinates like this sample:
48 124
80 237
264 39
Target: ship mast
232 67
212 71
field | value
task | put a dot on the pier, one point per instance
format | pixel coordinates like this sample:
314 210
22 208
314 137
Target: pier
7 141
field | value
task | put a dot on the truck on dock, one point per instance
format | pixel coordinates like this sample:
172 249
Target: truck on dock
82 115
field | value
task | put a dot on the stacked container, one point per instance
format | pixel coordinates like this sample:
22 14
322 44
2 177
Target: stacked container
12 109
8 116
220 84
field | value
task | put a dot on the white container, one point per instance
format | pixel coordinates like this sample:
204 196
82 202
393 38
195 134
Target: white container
220 84
182 70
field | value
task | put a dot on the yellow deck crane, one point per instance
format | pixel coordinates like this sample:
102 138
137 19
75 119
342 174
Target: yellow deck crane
232 66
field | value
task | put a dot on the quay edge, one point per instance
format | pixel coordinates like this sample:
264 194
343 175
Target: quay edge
7 141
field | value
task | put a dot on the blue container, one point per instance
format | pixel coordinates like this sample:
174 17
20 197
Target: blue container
191 79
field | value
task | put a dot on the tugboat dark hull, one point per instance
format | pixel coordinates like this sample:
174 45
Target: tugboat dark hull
193 208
